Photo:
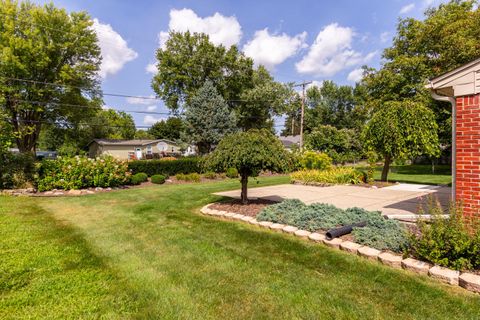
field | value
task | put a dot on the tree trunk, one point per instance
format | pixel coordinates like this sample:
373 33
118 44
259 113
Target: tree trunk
386 167
244 181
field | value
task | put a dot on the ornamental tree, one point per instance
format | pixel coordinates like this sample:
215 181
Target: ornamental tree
401 130
250 152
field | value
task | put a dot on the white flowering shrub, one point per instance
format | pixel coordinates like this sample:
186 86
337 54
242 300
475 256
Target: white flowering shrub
81 172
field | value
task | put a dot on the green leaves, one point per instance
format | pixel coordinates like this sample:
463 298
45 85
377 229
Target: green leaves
58 53
402 130
250 152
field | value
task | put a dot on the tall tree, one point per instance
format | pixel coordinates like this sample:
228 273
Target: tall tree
58 53
112 124
401 130
208 118
265 99
188 60
446 38
171 129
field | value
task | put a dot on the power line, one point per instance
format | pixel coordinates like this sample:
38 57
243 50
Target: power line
86 106
111 94
86 124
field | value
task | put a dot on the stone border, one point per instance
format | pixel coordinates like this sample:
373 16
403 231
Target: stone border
468 281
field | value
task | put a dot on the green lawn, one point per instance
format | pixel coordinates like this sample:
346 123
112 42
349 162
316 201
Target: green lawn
418 174
149 254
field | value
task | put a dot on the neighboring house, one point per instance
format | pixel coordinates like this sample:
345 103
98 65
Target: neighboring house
133 149
290 142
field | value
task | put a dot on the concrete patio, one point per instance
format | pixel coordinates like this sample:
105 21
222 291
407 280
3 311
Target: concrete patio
400 199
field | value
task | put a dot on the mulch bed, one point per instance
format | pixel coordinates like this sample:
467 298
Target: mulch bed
251 209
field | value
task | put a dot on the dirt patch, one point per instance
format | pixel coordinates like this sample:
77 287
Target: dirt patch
251 209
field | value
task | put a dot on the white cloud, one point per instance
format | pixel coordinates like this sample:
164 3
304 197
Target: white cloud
141 101
270 50
315 83
355 75
331 52
151 68
115 50
384 36
221 29
149 120
151 108
407 8
105 107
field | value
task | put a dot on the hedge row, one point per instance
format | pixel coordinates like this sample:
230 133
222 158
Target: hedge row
166 167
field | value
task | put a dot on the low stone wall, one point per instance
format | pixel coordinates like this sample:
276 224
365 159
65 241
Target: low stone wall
466 280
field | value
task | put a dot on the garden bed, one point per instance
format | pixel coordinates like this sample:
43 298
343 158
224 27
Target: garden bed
251 209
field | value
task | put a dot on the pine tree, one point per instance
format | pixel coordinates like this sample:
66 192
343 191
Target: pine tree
208 118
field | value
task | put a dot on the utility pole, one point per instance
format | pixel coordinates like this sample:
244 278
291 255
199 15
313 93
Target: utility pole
303 85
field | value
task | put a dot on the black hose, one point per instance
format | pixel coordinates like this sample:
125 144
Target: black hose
338 232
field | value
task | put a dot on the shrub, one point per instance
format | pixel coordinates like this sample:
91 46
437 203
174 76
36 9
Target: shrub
210 175
341 145
232 173
80 172
315 160
139 178
340 175
158 179
452 242
191 177
166 167
16 170
379 232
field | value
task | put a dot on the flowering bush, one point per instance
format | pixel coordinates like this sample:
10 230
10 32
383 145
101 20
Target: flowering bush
81 172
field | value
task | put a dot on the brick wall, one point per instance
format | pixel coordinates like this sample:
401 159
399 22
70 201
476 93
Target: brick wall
468 153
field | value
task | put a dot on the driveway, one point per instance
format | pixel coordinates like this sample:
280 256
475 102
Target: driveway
400 199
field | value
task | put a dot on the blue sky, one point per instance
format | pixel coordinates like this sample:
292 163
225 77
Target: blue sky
296 40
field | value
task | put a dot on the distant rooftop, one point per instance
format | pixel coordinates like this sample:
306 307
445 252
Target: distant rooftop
288 141
134 142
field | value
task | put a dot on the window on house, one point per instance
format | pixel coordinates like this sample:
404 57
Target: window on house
149 149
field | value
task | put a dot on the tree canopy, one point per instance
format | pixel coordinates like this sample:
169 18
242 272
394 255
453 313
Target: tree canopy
250 152
446 38
401 130
172 129
189 59
208 118
49 62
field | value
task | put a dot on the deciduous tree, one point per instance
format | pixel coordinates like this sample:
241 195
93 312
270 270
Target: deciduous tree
49 61
401 130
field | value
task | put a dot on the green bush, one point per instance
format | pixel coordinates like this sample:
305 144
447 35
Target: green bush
452 243
166 167
16 170
379 232
210 175
232 173
191 177
80 172
315 160
158 179
139 178
339 175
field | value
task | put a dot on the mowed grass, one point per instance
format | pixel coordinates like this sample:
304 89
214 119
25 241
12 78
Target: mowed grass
422 174
149 254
